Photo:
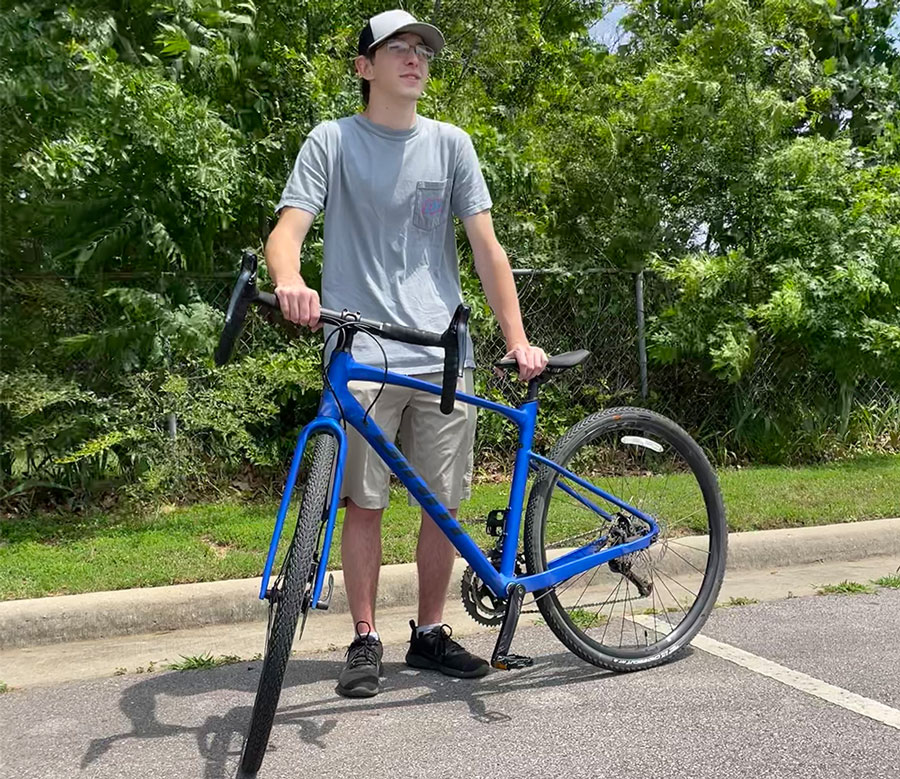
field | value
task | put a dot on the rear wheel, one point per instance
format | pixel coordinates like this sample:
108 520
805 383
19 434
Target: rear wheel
289 601
640 609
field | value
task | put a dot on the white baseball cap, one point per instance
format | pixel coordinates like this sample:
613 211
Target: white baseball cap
389 23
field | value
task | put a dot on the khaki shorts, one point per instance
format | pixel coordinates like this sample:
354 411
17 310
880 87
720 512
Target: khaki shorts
438 446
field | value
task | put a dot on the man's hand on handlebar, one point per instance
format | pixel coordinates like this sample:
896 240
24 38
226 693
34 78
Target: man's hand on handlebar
532 360
299 304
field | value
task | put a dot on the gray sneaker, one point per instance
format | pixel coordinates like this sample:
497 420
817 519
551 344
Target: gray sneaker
360 677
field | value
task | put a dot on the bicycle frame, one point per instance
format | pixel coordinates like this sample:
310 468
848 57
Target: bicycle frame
337 398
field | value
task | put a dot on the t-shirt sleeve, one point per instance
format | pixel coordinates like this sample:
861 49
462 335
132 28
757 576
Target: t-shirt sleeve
470 193
307 186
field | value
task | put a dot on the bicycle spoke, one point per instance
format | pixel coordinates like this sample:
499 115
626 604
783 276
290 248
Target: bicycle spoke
672 542
557 591
677 602
594 574
677 522
567 584
633 622
269 627
675 581
611 612
682 557
653 604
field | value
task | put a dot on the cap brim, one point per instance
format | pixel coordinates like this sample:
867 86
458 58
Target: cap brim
430 34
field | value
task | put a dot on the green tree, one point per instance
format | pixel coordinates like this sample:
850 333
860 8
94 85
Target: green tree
746 150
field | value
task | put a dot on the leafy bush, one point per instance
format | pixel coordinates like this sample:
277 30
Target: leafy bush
801 325
101 420
747 152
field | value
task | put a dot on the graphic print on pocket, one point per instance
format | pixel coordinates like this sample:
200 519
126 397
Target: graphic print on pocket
431 204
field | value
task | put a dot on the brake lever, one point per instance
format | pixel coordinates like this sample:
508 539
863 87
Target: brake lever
455 342
243 294
462 331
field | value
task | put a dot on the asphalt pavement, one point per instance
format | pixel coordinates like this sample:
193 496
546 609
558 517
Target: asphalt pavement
699 716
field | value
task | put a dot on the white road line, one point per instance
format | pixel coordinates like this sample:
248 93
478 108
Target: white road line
799 681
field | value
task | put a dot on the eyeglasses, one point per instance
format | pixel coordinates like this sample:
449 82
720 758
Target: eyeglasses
400 48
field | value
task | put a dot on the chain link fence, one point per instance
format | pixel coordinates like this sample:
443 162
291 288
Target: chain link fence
782 398
784 409
593 310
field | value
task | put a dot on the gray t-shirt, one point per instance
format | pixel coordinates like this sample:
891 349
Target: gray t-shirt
390 244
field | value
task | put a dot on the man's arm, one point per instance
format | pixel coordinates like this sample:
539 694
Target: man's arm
298 302
492 266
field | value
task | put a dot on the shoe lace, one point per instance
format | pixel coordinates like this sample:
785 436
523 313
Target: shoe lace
362 651
447 644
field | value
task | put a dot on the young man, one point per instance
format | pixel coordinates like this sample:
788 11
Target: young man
388 181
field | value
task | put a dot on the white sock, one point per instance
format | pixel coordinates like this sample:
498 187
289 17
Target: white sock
370 634
422 629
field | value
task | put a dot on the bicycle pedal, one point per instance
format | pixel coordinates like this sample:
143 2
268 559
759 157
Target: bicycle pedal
511 662
325 600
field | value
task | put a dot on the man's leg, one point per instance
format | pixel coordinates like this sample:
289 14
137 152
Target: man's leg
361 560
365 485
430 645
434 560
440 448
364 492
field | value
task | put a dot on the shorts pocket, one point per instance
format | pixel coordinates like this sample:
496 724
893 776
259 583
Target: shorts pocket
430 204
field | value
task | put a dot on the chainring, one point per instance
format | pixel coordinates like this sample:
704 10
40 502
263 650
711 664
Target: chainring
480 603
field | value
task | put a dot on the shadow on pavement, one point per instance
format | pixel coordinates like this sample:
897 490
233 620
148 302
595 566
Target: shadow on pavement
220 736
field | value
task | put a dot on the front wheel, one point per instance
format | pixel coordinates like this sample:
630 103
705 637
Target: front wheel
289 601
641 609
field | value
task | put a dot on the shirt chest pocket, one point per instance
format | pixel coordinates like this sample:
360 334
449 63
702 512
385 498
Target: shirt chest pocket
431 204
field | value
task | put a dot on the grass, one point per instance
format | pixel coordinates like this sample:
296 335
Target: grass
845 588
582 618
849 491
892 581
203 662
738 601
52 554
4 687
662 611
586 619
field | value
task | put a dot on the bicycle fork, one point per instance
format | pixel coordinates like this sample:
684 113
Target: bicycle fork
502 658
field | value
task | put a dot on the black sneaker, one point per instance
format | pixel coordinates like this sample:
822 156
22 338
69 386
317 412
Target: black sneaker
359 679
436 651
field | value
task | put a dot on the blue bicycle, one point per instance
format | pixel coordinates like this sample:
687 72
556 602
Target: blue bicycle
624 541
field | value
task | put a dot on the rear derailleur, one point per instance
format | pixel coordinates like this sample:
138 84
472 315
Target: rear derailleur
625 530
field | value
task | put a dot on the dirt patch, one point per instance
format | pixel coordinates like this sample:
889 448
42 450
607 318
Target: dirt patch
218 549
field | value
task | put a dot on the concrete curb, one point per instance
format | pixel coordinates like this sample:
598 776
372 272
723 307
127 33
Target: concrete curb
97 615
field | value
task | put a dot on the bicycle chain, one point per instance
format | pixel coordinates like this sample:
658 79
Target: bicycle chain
555 545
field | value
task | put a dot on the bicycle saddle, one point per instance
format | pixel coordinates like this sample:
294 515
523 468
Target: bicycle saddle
556 364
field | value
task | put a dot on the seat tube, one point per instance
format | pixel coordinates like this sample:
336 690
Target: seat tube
517 490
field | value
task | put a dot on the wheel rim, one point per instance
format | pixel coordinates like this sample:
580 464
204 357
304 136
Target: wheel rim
649 468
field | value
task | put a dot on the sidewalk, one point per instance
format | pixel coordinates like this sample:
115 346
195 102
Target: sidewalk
41 666
102 615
